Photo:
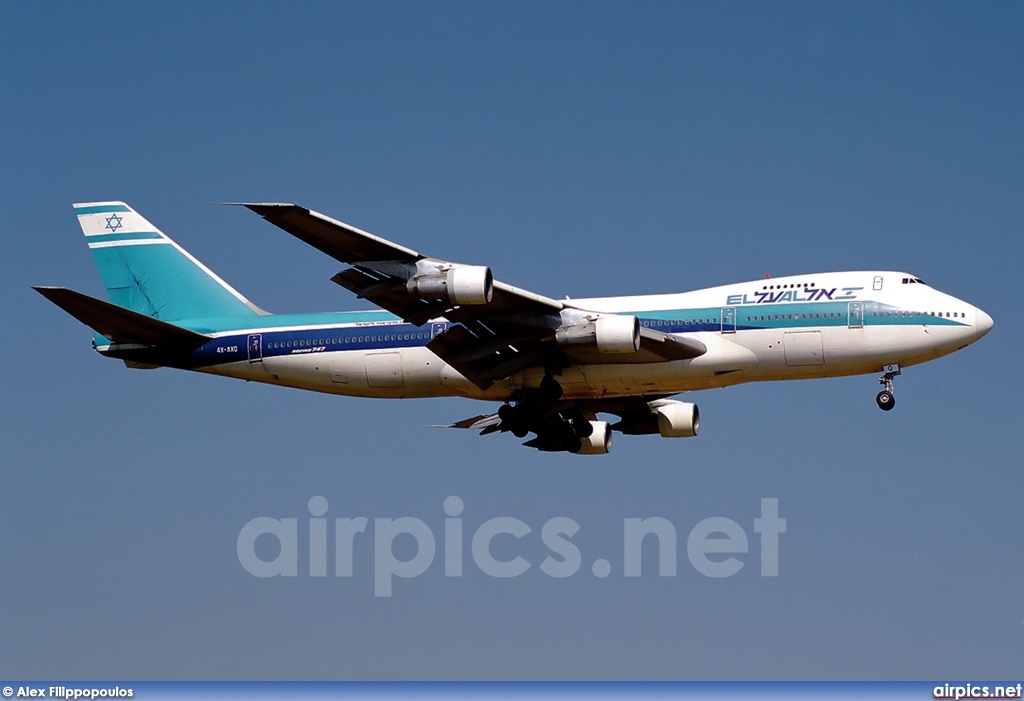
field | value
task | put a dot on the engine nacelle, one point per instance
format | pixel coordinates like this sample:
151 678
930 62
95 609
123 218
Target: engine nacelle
599 441
677 419
462 284
609 334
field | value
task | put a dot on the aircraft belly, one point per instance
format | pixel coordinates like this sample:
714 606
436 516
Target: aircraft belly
726 362
404 372
847 351
747 356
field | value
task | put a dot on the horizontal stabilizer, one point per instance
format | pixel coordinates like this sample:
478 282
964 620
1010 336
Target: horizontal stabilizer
119 324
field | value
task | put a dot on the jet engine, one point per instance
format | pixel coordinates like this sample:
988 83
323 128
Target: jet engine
670 418
609 334
677 419
461 284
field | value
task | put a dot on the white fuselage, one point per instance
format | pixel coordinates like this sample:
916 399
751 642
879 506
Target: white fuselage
822 325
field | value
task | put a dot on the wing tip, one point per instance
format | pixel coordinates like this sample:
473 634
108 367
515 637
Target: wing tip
258 206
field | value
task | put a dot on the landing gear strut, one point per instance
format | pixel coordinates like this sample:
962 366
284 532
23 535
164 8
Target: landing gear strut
532 406
885 399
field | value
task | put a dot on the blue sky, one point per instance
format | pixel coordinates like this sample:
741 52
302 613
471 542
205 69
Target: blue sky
577 148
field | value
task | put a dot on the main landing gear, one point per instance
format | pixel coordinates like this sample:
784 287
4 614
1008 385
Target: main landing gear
560 425
885 399
522 418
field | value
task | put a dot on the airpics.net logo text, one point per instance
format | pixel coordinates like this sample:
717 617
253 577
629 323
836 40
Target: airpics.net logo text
714 546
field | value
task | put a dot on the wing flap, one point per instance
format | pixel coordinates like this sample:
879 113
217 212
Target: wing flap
670 347
484 355
481 421
389 293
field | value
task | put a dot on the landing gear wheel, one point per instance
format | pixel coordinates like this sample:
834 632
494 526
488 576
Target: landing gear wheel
514 419
582 428
550 388
886 400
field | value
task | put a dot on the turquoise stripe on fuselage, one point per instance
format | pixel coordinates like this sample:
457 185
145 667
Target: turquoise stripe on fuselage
258 324
774 316
295 334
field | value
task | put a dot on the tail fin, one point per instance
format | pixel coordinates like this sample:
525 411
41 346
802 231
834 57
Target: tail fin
147 272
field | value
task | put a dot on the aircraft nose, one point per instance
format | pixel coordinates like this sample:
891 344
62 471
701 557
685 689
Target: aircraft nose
982 323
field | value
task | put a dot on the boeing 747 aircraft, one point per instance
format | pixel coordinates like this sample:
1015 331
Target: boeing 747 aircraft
450 329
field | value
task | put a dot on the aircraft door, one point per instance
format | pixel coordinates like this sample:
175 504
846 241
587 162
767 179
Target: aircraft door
437 329
855 315
728 319
255 347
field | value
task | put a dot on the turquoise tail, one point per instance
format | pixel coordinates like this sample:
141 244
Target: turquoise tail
145 271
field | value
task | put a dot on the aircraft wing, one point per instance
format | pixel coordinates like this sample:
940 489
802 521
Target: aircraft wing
499 329
381 269
337 239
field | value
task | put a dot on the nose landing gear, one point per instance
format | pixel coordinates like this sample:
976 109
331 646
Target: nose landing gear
885 399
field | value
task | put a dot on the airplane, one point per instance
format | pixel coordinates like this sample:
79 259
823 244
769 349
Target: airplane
450 329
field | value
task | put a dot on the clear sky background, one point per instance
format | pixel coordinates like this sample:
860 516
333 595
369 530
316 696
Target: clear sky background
578 148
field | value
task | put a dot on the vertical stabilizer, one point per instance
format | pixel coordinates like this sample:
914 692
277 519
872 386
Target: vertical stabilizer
145 271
